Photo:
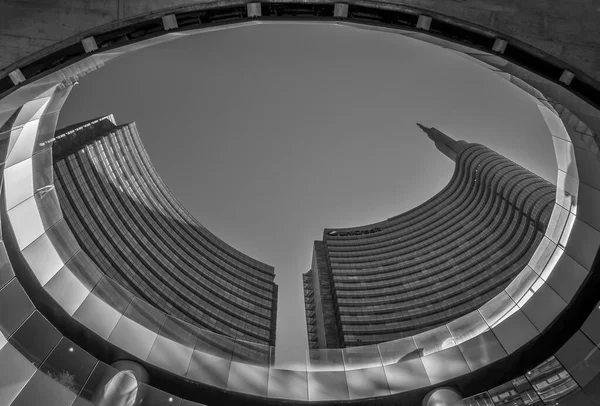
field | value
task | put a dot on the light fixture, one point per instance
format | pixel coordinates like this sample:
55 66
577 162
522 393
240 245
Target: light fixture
170 399
71 349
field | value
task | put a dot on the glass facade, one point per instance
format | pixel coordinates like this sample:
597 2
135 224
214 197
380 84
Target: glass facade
129 224
436 262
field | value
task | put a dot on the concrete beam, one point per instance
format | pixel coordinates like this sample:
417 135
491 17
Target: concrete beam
566 30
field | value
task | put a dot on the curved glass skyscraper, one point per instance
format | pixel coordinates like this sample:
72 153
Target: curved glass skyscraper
434 263
128 222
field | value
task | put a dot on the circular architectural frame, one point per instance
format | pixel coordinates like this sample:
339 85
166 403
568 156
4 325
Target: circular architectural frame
529 305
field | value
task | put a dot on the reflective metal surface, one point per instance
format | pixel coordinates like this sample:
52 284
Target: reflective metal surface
500 327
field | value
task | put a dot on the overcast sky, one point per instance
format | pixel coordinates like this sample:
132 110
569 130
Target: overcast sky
268 134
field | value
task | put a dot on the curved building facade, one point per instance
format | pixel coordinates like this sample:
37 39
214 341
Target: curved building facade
126 220
70 335
433 264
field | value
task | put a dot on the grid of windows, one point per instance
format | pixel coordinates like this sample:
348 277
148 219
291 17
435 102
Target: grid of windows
137 233
440 260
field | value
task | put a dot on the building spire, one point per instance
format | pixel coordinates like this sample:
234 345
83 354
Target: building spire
447 145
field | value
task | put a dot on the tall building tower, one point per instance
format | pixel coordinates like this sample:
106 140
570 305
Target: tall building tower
434 263
132 227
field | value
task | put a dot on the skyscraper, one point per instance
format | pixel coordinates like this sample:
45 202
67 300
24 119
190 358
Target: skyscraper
128 222
434 263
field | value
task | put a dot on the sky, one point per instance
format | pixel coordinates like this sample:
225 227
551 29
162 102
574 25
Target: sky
268 134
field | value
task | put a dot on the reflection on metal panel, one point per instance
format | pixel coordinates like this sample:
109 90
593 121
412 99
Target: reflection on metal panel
327 385
580 357
67 290
543 307
18 180
285 384
361 357
133 337
14 374
482 350
43 259
515 331
250 379
406 375
170 355
445 365
367 383
23 147
210 369
468 326
97 315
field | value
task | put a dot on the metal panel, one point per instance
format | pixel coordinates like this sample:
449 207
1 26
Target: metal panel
71 363
97 315
515 331
567 191
14 374
284 384
499 308
587 167
250 379
543 307
133 337
209 369
565 157
554 123
567 277
35 339
557 223
23 147
155 397
367 383
468 326
67 290
399 350
583 244
43 259
581 358
541 255
327 385
445 364
325 360
406 375
18 180
482 350
591 327
170 355
6 270
589 201
26 222
361 357
13 297
433 340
